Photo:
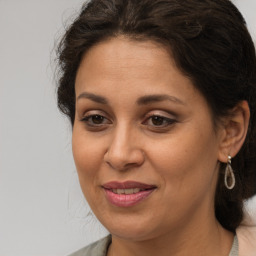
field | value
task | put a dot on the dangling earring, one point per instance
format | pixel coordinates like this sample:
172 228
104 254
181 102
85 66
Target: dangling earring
230 180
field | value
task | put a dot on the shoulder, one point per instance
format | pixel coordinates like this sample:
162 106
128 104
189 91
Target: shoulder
246 232
98 248
246 240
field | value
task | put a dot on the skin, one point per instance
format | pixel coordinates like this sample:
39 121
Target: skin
180 156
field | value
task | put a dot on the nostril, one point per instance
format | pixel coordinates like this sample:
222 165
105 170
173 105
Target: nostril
122 162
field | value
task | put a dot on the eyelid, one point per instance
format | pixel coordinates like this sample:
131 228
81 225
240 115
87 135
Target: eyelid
93 112
160 113
167 121
86 118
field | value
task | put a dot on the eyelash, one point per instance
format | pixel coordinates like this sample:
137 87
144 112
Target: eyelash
89 122
167 121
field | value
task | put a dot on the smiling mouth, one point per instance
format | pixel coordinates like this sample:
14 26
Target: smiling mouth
127 191
126 194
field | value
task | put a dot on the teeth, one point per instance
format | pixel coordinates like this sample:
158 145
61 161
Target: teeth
127 191
136 190
120 191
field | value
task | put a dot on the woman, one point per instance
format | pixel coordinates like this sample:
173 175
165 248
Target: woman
160 96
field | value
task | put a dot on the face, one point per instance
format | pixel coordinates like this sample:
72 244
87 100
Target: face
143 141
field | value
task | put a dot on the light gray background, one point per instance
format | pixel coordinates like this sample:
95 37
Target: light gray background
42 211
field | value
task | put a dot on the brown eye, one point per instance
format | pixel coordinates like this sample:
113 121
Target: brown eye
97 119
157 120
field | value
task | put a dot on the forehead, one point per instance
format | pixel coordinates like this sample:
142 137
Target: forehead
126 47
122 53
123 60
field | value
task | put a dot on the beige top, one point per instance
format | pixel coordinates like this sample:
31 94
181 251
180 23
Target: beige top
100 248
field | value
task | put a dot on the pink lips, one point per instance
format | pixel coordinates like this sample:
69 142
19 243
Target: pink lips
140 192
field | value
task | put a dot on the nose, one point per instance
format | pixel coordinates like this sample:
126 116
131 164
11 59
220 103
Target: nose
124 151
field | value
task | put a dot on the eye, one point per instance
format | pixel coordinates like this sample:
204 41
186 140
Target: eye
158 121
95 120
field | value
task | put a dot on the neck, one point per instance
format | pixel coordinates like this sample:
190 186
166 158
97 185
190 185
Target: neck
206 240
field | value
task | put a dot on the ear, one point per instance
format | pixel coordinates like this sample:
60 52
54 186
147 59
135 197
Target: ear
234 130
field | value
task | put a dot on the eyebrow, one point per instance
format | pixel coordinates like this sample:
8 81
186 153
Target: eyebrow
144 100
93 97
147 99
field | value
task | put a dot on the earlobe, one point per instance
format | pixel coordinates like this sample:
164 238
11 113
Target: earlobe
234 131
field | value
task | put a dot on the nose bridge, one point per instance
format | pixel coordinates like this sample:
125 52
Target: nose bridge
124 150
121 136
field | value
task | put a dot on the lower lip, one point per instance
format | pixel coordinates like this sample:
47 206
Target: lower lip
123 200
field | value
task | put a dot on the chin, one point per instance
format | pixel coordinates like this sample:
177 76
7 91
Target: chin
130 227
132 234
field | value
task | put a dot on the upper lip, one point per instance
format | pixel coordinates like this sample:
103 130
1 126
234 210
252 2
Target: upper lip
127 185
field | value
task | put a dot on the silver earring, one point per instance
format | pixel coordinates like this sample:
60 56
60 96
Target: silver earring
230 180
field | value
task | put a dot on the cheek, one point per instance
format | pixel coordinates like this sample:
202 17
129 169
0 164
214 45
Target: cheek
88 156
186 159
186 165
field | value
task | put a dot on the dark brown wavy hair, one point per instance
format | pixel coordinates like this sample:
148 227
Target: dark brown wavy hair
210 43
